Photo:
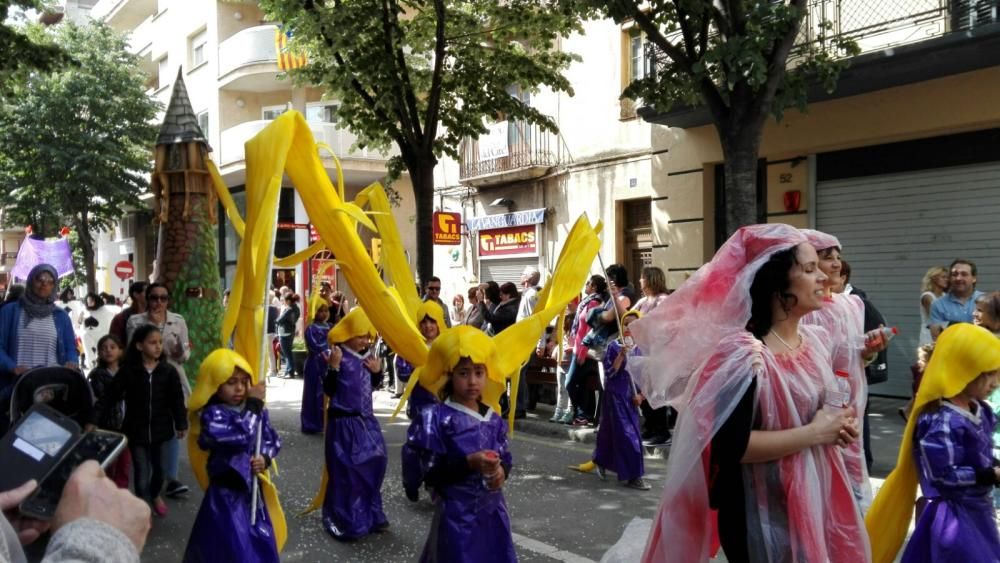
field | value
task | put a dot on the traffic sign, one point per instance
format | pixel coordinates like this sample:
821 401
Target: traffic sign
124 270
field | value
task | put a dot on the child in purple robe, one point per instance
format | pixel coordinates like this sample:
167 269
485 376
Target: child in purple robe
431 321
463 453
356 457
314 370
230 422
619 439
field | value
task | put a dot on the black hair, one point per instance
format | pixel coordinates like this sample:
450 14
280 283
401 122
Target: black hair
845 271
492 291
136 288
133 356
14 292
618 274
448 389
105 338
64 294
599 284
969 263
510 289
771 281
97 299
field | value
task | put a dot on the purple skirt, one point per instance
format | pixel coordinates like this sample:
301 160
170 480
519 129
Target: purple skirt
222 531
619 441
957 530
356 461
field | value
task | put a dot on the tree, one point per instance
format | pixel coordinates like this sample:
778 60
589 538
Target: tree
22 52
733 57
76 143
424 74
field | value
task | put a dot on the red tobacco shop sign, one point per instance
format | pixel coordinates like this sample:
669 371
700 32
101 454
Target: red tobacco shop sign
508 241
447 228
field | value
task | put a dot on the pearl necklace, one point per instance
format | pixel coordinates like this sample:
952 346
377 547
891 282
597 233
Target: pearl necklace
782 340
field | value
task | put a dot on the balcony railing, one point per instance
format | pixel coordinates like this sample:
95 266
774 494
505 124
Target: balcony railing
340 140
511 146
123 14
254 45
874 25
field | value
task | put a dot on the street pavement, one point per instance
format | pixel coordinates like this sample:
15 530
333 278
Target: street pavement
556 514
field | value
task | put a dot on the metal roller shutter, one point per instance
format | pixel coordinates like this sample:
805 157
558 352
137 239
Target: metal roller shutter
508 270
894 227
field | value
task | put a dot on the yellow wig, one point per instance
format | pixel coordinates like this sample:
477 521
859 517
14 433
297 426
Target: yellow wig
448 349
962 353
215 370
355 323
433 310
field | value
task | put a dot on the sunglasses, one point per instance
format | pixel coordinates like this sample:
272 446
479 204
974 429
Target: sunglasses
158 298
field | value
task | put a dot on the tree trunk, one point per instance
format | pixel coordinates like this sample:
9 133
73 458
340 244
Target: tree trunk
422 177
87 247
740 150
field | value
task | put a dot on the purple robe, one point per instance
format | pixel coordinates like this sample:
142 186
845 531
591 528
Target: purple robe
356 457
952 446
312 383
222 531
470 522
420 397
619 440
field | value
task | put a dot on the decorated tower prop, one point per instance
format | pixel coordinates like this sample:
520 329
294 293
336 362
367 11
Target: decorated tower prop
187 259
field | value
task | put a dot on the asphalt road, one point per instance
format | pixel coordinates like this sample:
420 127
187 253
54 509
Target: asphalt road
556 514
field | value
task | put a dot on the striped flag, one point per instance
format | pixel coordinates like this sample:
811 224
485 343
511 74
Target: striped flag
286 58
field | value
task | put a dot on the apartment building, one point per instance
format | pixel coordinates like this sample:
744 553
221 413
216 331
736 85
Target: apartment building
227 55
901 161
519 189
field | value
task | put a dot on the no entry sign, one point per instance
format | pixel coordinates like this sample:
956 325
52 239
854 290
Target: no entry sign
124 270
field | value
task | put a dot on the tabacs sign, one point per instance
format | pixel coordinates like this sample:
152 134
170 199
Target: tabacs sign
447 228
509 241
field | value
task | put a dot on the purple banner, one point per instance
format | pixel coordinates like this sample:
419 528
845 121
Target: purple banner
33 252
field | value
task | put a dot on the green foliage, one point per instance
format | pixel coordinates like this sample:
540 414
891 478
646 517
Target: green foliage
423 74
76 143
22 50
713 52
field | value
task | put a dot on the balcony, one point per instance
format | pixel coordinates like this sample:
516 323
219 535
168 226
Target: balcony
360 165
248 61
123 15
511 151
901 42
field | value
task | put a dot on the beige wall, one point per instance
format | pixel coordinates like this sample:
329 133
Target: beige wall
953 104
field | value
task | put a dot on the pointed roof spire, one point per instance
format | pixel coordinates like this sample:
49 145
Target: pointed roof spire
180 124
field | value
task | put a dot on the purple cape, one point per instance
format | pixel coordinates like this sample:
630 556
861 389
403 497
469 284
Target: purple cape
951 446
470 523
356 457
619 440
312 383
222 531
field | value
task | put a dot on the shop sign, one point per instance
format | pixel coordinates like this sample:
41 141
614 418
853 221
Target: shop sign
508 242
447 228
494 143
514 219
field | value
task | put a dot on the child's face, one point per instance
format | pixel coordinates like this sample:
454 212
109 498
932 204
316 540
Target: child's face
109 352
983 386
322 314
357 343
429 328
982 318
467 381
234 390
152 346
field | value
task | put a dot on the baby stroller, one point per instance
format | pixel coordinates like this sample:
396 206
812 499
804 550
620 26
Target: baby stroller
64 389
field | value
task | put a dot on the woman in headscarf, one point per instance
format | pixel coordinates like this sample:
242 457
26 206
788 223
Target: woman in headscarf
34 332
753 440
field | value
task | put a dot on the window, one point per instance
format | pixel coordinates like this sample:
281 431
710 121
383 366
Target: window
272 112
636 44
199 49
321 112
203 123
163 71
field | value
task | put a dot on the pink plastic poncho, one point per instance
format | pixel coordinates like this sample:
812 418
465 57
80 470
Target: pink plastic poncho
843 317
702 360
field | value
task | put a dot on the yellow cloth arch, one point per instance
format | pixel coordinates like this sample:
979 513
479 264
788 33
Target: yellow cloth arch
962 352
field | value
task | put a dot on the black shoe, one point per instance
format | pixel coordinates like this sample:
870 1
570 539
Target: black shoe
520 414
638 484
176 489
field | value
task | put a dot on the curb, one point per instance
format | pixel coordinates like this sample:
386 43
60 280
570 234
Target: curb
537 426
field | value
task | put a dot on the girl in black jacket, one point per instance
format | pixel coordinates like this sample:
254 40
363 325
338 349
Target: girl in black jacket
109 357
154 410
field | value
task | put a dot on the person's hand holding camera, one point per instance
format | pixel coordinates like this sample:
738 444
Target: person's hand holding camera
90 494
28 530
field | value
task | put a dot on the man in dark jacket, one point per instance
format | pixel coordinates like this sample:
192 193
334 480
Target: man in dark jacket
505 313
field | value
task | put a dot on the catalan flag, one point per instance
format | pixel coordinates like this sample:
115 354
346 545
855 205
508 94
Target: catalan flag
287 59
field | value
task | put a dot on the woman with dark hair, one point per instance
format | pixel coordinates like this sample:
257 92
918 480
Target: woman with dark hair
473 317
754 440
500 307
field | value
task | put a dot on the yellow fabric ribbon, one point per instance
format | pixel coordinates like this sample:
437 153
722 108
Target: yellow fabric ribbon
962 353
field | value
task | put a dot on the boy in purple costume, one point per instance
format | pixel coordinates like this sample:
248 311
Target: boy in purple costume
953 448
619 438
356 457
315 369
229 425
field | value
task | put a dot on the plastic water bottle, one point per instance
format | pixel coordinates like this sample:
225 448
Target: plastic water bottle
839 395
888 332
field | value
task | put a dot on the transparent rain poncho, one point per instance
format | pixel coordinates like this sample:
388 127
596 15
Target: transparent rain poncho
702 360
843 317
